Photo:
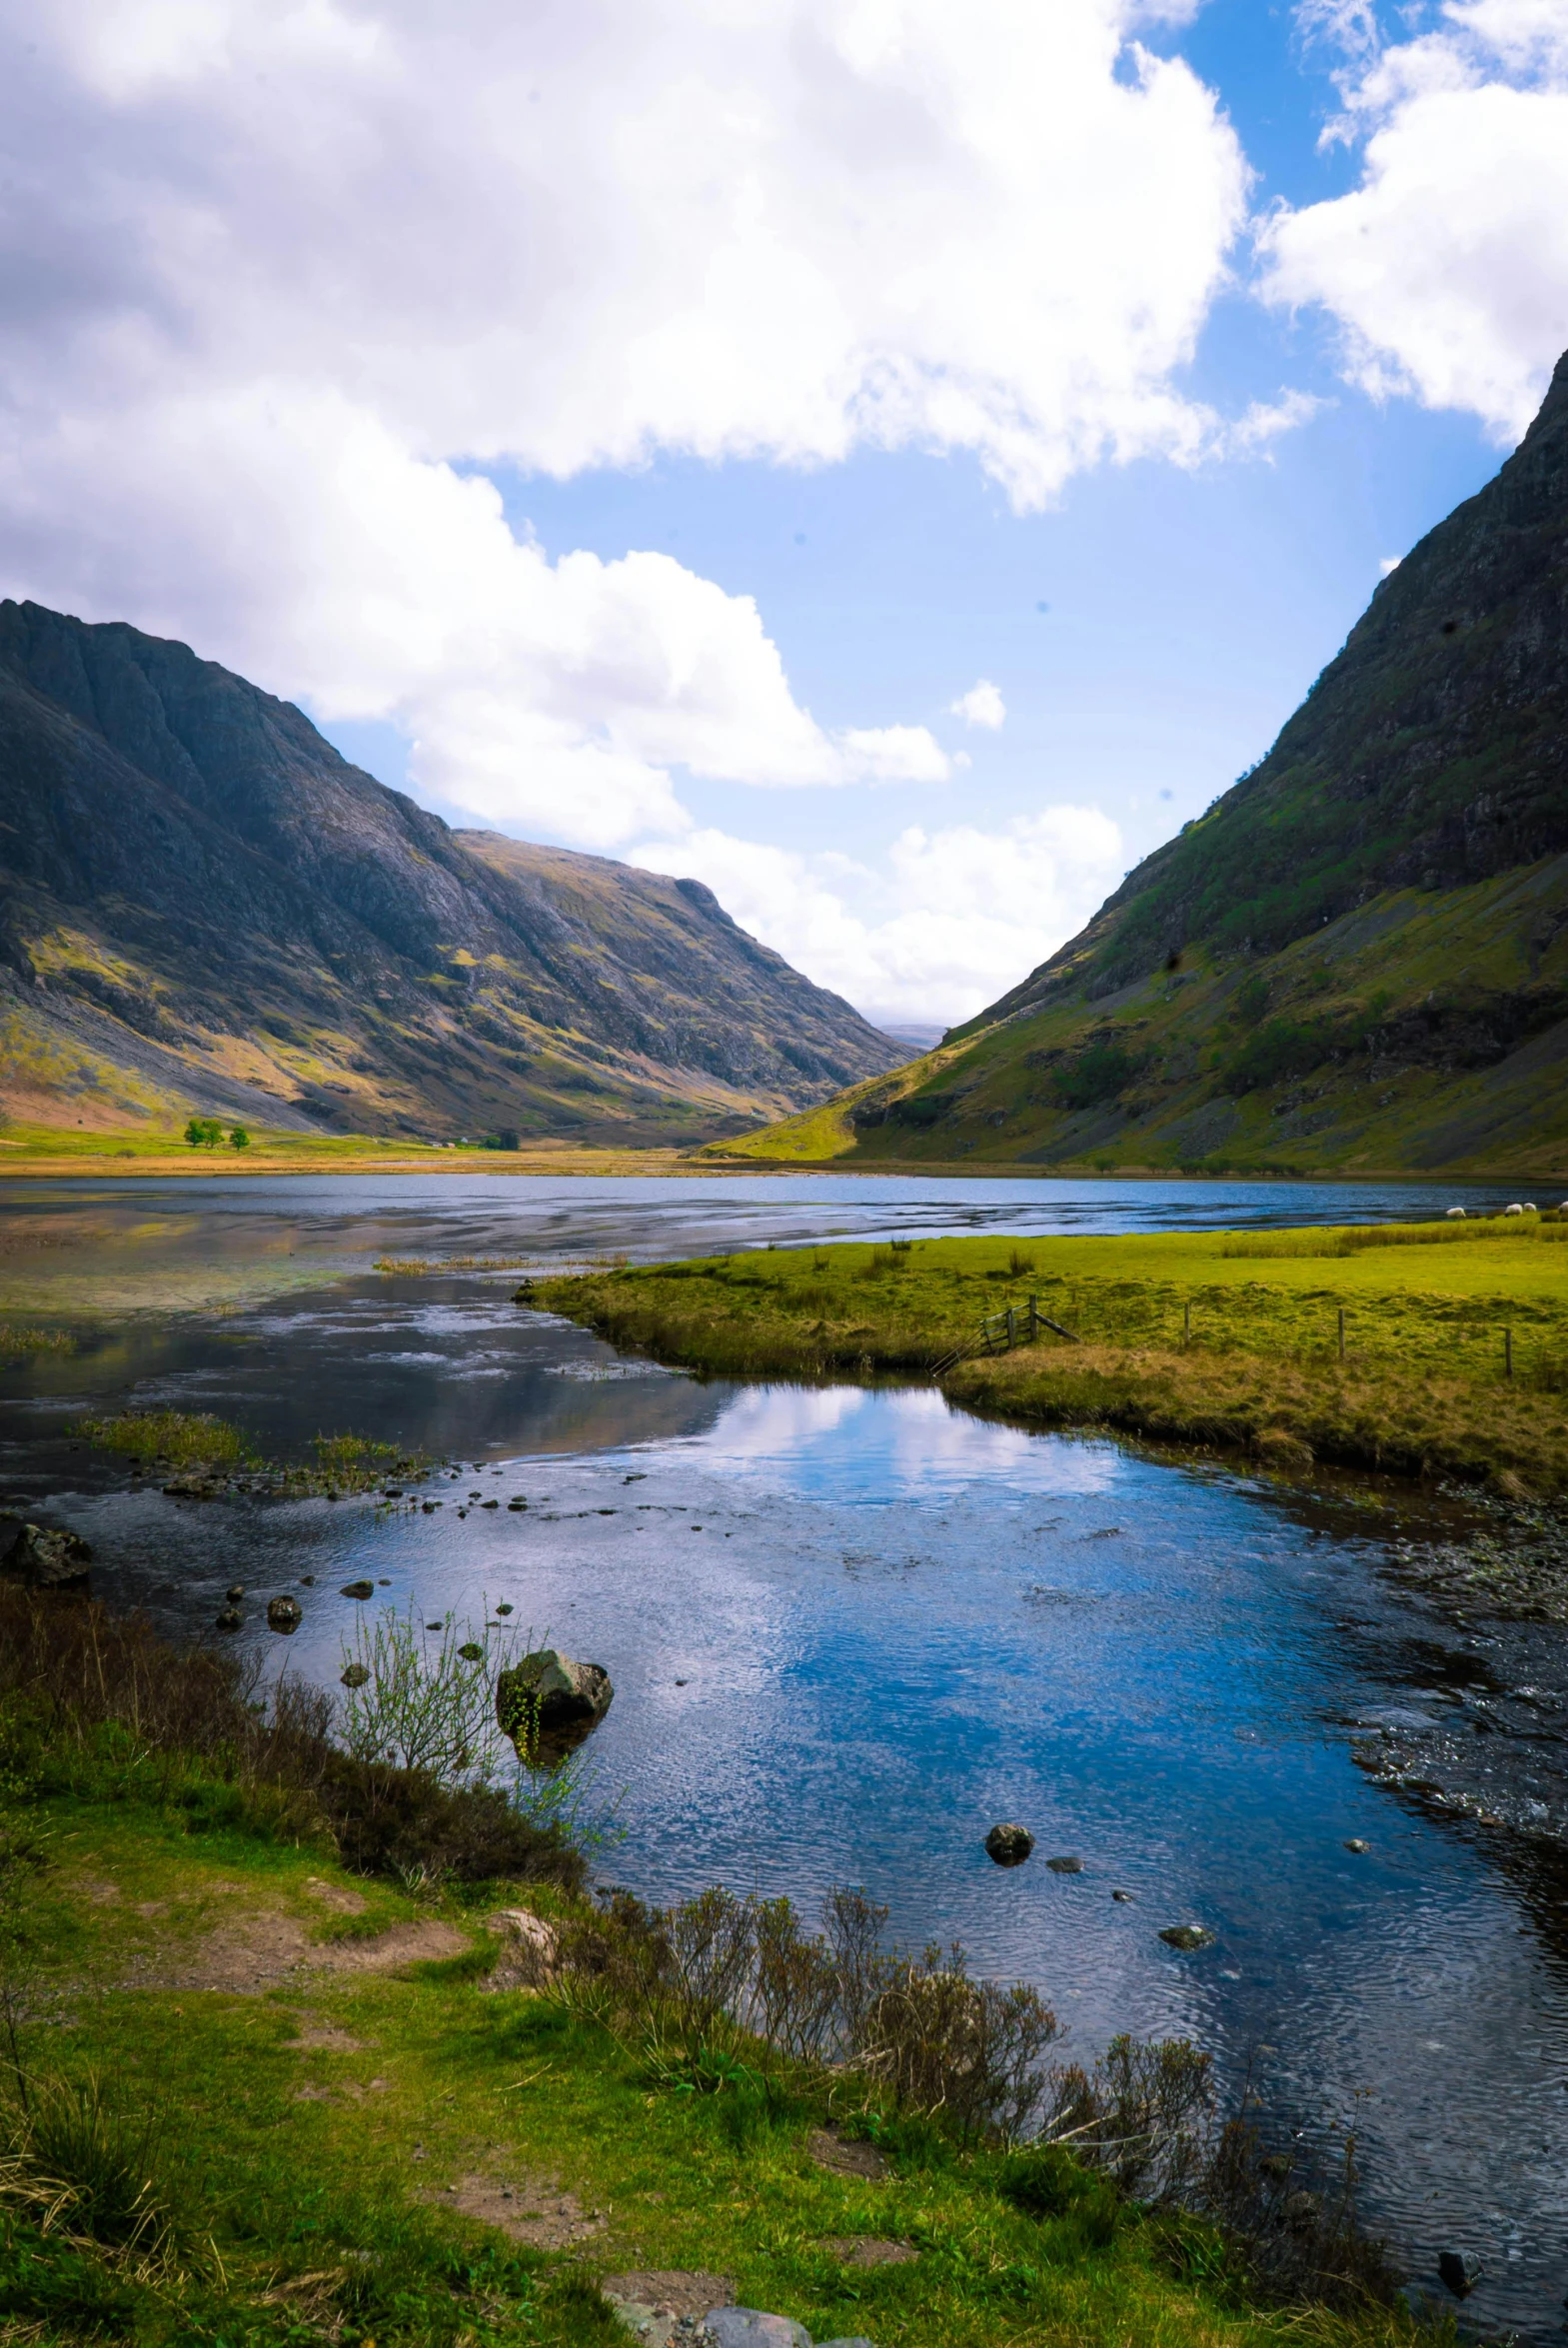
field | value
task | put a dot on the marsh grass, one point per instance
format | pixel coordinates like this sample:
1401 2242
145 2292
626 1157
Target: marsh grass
1207 1337
180 1439
22 1344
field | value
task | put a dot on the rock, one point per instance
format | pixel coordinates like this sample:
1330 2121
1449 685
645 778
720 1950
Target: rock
471 1652
228 1619
284 1614
1065 1867
353 1675
1009 1845
357 1590
1121 1895
1302 2210
1460 2271
1188 1937
551 1700
530 1949
1276 2165
744 2327
1356 1844
43 1558
233 1592
860 2341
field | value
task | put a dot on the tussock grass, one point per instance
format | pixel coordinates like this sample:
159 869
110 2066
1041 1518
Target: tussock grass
1208 1338
181 1438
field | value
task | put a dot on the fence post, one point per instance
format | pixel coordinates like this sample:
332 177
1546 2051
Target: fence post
1013 1328
1508 1353
1341 1332
1034 1318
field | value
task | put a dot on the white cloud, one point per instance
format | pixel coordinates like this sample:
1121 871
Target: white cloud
956 916
982 705
1389 565
284 279
1447 266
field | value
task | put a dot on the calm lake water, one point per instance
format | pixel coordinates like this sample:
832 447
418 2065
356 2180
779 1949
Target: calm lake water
849 1630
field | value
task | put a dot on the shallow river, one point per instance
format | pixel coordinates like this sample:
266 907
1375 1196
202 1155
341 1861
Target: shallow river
850 1628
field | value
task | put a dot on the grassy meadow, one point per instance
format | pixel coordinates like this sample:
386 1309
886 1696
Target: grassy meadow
1218 1338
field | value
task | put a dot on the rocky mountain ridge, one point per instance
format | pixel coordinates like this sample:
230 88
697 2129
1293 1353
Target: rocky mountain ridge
202 905
1358 957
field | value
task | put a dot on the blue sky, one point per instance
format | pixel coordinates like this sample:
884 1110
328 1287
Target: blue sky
640 429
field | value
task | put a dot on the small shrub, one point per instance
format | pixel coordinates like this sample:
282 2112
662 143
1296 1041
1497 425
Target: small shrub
99 2156
1019 1265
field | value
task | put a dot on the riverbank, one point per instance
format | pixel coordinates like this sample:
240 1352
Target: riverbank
252 2096
1432 1349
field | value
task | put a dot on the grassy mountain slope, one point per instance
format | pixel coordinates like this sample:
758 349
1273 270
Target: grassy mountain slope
203 906
1358 957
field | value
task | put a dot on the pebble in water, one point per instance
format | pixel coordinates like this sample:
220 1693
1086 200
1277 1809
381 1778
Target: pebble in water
1009 1845
1066 1865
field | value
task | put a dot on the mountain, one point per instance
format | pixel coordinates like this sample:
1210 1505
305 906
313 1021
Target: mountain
202 906
1358 957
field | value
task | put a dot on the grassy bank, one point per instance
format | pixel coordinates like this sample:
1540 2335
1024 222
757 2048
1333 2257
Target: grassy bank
1218 1338
248 2096
37 1151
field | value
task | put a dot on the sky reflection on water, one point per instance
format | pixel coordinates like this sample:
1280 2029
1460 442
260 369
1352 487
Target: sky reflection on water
850 1628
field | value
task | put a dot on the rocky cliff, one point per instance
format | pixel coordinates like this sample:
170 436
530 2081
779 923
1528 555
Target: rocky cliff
1358 957
203 906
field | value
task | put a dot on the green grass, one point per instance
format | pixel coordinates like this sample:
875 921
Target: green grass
1214 1338
304 2185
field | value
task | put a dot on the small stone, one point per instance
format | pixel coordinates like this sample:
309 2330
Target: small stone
1276 2164
357 1590
502 1610
284 1614
1009 1845
353 1675
746 2327
1068 1866
228 1619
235 1593
1188 1937
307 1581
471 1652
1121 1895
392 1492
491 1503
1460 2271
1302 2210
1356 1844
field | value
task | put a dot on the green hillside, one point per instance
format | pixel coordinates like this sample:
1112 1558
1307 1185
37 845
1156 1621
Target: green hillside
1357 959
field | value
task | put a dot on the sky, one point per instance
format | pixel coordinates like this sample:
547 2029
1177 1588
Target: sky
893 461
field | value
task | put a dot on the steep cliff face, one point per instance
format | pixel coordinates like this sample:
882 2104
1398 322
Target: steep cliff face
1359 956
196 889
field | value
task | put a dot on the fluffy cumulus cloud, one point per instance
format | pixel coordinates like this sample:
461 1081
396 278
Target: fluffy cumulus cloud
956 917
284 280
982 705
1447 265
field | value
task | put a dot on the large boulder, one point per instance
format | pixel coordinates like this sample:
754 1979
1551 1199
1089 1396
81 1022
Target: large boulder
550 1702
43 1558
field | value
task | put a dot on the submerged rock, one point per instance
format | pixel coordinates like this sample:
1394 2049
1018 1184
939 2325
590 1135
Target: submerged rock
44 1559
1009 1845
1188 1937
353 1675
1068 1866
284 1614
357 1590
551 1700
1460 2271
228 1619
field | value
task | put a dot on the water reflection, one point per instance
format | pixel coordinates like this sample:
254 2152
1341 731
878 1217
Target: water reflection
849 1630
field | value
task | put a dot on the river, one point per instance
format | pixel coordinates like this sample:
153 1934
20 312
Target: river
849 1628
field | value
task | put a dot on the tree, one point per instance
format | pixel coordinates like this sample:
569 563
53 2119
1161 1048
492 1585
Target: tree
239 1138
204 1132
